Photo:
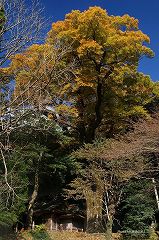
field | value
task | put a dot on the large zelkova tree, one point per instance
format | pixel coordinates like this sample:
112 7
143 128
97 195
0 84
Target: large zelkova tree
107 87
105 90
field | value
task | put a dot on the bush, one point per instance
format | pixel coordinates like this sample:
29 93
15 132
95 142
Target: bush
40 233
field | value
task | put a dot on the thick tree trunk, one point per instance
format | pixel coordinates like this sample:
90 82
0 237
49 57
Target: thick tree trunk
87 131
94 202
90 134
33 197
94 124
31 202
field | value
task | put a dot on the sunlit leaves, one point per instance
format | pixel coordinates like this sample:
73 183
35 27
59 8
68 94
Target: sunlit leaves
108 50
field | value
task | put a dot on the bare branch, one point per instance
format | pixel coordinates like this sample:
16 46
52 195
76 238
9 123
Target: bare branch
23 26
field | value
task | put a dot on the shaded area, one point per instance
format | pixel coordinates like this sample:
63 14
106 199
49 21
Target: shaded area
7 233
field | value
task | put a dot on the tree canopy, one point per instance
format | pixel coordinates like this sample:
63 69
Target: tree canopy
107 87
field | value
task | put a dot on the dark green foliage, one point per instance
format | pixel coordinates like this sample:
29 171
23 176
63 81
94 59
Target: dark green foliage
40 234
35 136
137 208
12 203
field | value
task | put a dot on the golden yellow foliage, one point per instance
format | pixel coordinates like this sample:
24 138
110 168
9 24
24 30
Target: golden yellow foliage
39 73
105 83
108 50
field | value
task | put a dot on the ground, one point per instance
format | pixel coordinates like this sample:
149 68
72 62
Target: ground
62 236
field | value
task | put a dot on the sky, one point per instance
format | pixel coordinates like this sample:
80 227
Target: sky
146 11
